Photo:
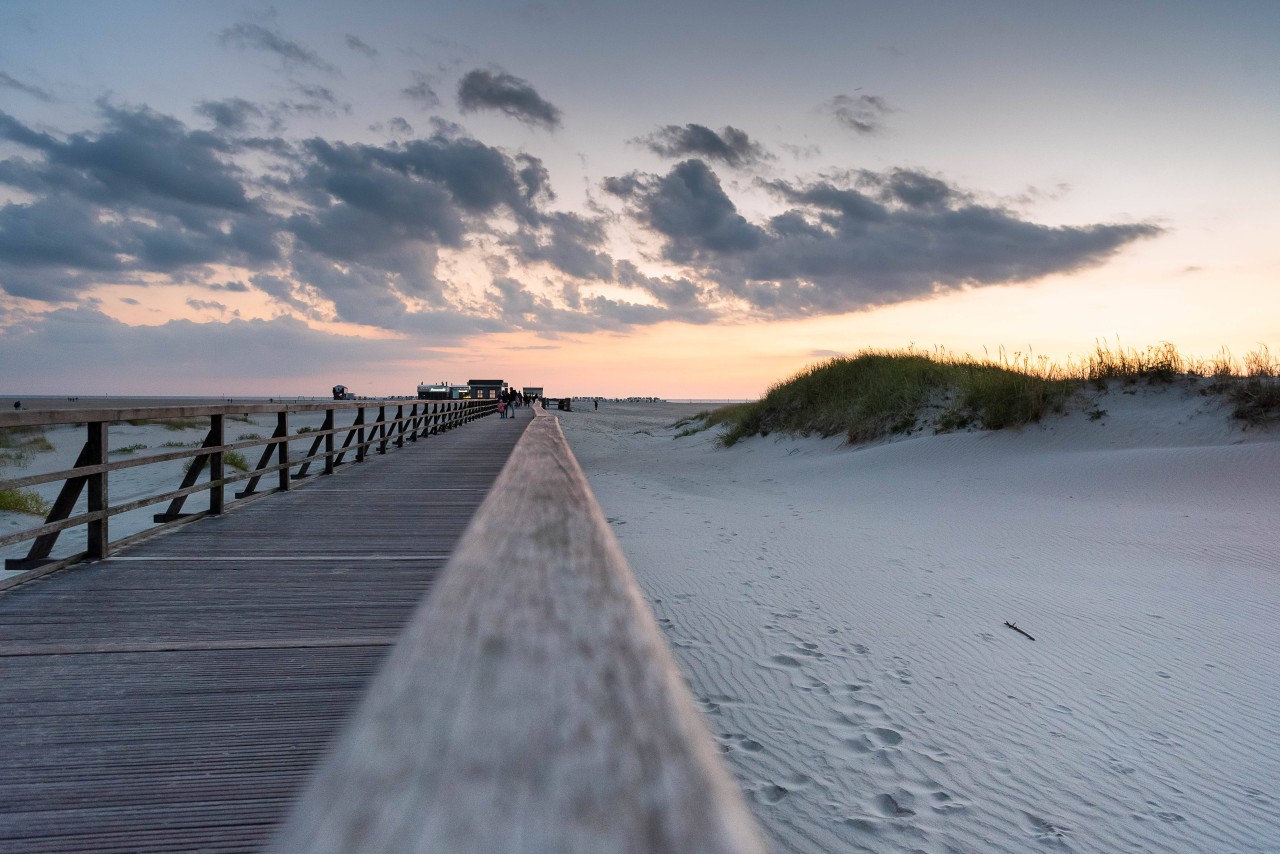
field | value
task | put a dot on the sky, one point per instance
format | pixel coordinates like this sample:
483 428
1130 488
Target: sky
689 200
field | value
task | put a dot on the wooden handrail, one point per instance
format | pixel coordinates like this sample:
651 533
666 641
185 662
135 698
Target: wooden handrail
530 705
92 470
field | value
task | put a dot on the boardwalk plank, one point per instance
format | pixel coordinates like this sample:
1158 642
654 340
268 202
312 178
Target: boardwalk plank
176 698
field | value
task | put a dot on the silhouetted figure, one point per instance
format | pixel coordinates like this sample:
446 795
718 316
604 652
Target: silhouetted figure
17 404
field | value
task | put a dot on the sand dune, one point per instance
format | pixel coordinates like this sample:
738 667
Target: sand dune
840 614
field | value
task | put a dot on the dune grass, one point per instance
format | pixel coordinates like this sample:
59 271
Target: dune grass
878 393
23 501
230 459
19 444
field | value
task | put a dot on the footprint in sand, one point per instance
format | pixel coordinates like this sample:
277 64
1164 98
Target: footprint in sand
738 741
886 737
890 807
1044 830
771 793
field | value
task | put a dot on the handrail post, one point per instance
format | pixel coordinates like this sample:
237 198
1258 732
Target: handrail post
217 491
381 429
359 426
328 441
282 429
99 495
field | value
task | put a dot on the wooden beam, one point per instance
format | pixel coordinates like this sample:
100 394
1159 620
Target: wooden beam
531 705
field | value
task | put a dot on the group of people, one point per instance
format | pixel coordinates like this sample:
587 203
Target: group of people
509 401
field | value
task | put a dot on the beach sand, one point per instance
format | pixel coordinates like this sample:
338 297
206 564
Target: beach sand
840 615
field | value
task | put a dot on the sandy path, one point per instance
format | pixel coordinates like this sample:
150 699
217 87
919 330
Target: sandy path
840 613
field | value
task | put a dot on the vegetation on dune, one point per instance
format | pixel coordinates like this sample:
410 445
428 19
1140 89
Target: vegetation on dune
23 501
880 393
129 449
19 444
230 459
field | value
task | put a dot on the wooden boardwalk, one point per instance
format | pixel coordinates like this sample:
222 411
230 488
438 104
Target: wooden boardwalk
175 697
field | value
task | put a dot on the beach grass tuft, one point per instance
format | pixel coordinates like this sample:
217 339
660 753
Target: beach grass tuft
878 393
19 444
23 501
230 459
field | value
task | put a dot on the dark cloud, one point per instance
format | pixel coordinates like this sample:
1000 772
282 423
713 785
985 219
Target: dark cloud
521 308
863 114
15 131
358 44
232 286
8 81
248 36
58 231
206 305
231 115
682 298
730 146
571 243
688 207
421 92
145 194
399 126
505 93
896 236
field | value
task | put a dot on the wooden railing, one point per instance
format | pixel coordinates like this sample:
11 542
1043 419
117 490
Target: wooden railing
531 705
395 423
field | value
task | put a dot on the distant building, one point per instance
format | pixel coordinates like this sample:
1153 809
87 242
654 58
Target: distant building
443 391
533 391
486 389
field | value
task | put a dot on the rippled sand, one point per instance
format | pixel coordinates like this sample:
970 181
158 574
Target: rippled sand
840 614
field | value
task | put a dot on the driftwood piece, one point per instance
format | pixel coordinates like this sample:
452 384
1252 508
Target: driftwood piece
1014 626
531 705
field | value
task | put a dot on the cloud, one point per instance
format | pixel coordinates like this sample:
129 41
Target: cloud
688 207
145 194
10 82
399 126
571 243
358 44
177 357
682 298
520 307
863 114
730 146
248 36
421 92
500 91
231 115
844 245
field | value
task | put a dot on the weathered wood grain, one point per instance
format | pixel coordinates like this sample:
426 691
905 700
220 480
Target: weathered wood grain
531 704
176 698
